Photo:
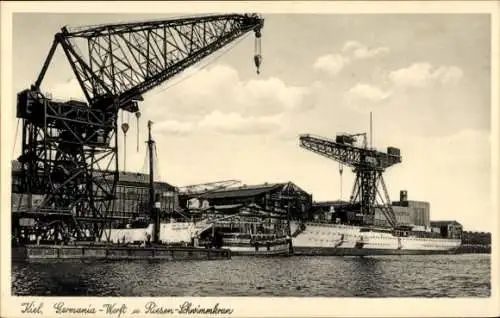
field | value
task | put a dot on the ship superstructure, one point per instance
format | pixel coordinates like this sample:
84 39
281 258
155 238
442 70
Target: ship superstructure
355 227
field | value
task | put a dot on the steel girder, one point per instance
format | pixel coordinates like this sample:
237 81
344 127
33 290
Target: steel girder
126 60
68 158
368 165
69 151
348 154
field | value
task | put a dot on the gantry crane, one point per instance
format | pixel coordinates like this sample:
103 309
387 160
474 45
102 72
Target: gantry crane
369 190
70 149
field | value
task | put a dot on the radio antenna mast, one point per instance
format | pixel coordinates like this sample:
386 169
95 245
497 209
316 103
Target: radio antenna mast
371 131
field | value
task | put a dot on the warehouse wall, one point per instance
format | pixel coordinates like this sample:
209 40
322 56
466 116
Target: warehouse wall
403 216
132 195
420 211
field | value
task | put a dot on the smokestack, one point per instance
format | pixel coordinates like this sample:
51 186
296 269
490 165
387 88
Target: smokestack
403 196
371 131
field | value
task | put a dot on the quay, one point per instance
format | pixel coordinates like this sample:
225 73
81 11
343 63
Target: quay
110 252
474 249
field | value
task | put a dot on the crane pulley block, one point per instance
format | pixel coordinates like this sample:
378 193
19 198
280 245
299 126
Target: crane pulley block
369 164
70 149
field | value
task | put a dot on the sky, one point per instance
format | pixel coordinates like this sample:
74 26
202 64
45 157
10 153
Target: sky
425 78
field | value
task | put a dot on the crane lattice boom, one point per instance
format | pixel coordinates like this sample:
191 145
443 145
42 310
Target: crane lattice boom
369 189
70 149
349 154
123 61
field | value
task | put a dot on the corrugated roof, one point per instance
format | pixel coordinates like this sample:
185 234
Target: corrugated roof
224 207
444 222
244 191
336 202
124 177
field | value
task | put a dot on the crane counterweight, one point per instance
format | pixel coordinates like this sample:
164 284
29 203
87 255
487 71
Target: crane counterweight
369 190
78 142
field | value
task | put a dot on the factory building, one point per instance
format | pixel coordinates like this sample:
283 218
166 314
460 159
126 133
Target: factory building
409 213
132 195
449 229
403 216
273 197
419 211
325 211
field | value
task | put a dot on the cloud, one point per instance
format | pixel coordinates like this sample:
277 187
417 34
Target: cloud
173 127
359 51
422 74
351 51
216 99
234 123
68 90
331 63
449 74
444 168
367 92
219 122
220 88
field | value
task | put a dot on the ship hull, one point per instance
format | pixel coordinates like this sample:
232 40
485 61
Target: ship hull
332 251
184 233
277 250
345 240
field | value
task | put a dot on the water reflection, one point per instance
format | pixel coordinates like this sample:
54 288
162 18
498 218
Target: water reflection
398 276
366 277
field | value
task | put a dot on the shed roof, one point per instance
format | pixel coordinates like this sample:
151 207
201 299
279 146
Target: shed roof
244 191
445 222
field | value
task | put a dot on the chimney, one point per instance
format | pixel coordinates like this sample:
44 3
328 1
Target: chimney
403 196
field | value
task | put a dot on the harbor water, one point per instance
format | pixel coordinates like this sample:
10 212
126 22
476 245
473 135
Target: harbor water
466 275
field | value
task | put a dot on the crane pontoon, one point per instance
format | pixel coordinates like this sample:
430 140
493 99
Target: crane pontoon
369 190
70 149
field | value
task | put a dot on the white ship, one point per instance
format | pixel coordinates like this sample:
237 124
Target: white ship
369 223
366 225
348 240
307 238
208 233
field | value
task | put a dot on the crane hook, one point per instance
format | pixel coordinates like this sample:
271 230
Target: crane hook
138 116
125 128
257 58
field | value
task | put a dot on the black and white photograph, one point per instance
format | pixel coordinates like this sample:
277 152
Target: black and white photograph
249 152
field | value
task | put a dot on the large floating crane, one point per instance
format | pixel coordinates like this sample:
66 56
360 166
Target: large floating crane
369 190
70 149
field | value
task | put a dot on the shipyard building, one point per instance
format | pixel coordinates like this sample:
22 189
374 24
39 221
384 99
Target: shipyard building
132 201
132 196
280 198
407 212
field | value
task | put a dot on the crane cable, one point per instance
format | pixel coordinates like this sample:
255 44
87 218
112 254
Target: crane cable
157 163
216 57
124 143
180 80
341 169
15 137
145 162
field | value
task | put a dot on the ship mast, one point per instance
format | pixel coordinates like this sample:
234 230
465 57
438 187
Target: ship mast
154 212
